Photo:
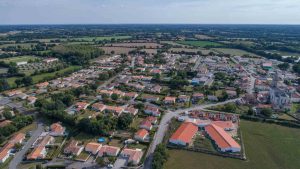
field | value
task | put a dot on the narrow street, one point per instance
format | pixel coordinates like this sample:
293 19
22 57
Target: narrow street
19 155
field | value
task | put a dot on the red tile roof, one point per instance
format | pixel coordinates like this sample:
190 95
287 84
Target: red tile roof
221 138
185 132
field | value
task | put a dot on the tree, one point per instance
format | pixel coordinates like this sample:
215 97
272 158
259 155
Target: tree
7 115
296 68
124 121
267 112
27 80
114 96
18 82
284 66
13 70
160 156
230 107
4 85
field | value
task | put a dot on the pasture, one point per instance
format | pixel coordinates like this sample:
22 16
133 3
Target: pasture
268 146
18 59
233 52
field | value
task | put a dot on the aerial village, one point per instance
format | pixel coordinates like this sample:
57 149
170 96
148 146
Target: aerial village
197 96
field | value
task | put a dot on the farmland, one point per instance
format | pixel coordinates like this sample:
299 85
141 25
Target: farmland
101 38
234 52
199 43
18 59
267 146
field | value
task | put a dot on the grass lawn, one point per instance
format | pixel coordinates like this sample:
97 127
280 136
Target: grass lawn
19 59
295 107
135 123
199 43
6 163
268 146
83 155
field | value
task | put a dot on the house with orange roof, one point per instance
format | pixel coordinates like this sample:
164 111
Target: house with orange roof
118 92
142 135
131 110
106 92
73 148
107 150
93 147
222 139
5 123
98 107
131 95
152 119
134 155
151 110
184 135
42 85
116 110
150 98
226 125
81 106
56 129
40 151
31 99
170 100
145 124
12 92
7 148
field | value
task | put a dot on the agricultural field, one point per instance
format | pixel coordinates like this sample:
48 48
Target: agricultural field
199 43
203 51
233 52
101 38
117 50
135 45
19 59
23 45
268 146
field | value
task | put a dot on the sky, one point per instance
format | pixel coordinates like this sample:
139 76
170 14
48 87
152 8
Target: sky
149 11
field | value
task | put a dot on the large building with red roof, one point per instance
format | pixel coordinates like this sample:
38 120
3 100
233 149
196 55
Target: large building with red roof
222 139
184 134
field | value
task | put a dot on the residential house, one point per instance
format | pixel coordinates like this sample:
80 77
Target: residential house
156 89
81 106
73 148
197 96
93 147
42 85
108 151
116 110
170 100
98 107
131 110
152 119
150 98
40 151
131 95
134 155
145 124
56 129
151 110
31 99
142 135
183 99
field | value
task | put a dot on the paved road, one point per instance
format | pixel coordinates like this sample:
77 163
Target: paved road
163 127
198 61
19 155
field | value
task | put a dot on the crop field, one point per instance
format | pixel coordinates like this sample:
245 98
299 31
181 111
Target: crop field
135 45
23 45
268 146
101 38
199 43
18 59
203 51
234 52
117 50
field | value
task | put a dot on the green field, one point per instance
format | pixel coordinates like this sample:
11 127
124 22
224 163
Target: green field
100 38
38 78
268 146
199 43
234 52
18 59
23 45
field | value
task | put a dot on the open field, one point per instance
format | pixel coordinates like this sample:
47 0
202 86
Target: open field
135 45
268 146
23 45
37 78
203 51
18 59
199 43
234 52
117 50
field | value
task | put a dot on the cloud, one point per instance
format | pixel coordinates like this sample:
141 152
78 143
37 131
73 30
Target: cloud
149 11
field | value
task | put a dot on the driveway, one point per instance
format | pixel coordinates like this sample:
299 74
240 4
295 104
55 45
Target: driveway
19 155
120 162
